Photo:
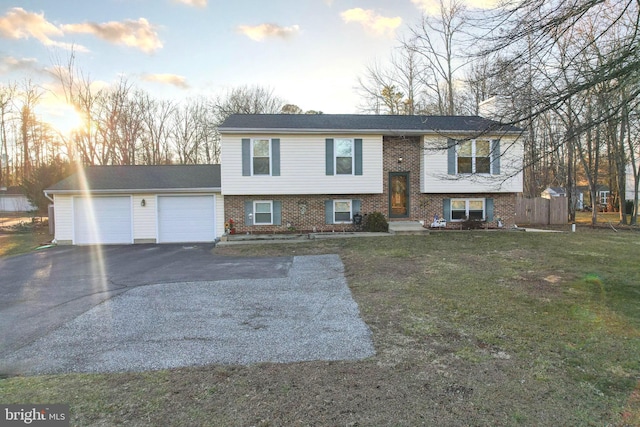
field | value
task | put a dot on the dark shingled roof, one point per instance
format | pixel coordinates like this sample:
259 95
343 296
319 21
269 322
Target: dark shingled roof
164 177
360 122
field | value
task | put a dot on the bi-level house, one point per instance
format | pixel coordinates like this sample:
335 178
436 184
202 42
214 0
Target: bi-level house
301 172
315 172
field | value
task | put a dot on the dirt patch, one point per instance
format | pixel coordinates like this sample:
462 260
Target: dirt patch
541 284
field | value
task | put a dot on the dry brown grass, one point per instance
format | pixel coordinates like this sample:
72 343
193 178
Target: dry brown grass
470 328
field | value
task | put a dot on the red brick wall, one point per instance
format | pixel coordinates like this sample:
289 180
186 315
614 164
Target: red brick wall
303 212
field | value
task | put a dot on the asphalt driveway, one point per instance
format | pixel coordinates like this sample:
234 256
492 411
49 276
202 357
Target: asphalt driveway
122 308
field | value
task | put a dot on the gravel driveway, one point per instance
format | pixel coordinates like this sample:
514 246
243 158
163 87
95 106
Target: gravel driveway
308 315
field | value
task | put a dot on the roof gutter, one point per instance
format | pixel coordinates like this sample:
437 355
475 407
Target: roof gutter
253 131
47 196
137 191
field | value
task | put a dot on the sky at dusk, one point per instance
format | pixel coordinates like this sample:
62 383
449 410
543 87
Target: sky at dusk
310 52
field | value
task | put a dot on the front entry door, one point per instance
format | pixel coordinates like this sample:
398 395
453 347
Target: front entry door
398 194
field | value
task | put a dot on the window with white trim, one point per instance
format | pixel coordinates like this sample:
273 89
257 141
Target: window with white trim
604 197
474 156
342 211
261 156
263 212
343 156
463 209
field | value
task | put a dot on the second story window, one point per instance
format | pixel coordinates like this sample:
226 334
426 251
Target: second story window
474 156
343 150
261 156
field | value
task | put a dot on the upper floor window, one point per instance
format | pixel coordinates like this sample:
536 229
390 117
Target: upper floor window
343 156
261 156
343 149
474 156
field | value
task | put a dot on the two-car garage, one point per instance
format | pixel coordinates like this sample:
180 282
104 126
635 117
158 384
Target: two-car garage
109 219
139 204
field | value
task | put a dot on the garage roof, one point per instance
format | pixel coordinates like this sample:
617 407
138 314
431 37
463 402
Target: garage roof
135 179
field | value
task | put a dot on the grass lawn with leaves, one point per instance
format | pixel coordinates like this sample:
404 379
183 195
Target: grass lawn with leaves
470 328
18 239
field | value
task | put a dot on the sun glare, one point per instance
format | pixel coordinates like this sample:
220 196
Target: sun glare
65 119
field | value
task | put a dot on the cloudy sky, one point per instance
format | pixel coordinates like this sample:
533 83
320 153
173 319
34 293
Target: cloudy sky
309 51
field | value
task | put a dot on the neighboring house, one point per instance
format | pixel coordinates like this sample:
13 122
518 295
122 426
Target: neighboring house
551 192
603 194
12 199
315 172
139 204
629 183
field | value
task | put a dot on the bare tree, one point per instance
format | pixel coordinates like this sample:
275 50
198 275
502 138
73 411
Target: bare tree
396 88
437 40
528 28
29 96
157 119
7 94
248 100
77 91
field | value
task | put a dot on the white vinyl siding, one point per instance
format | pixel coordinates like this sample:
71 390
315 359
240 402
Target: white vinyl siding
436 179
144 217
63 207
219 215
302 168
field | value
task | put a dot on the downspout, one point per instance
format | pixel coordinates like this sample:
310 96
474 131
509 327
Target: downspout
52 228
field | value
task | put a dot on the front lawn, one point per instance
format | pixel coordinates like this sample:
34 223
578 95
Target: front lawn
471 328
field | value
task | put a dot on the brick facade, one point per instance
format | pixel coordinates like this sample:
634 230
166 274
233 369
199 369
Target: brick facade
306 213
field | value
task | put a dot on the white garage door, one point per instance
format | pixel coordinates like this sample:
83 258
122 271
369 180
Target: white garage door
186 219
102 220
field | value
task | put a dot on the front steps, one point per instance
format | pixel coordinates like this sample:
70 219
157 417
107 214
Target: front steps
407 227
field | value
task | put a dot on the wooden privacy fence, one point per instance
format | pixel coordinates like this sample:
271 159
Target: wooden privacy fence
539 211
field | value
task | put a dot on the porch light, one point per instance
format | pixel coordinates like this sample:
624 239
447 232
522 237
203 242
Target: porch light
143 203
399 159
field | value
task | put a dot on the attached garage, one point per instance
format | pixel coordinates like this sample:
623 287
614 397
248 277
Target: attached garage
186 219
102 220
139 204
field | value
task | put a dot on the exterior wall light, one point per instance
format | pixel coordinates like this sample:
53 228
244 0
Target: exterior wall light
399 159
143 203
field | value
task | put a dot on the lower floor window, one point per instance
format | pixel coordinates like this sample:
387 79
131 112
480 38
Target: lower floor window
462 209
263 213
341 211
